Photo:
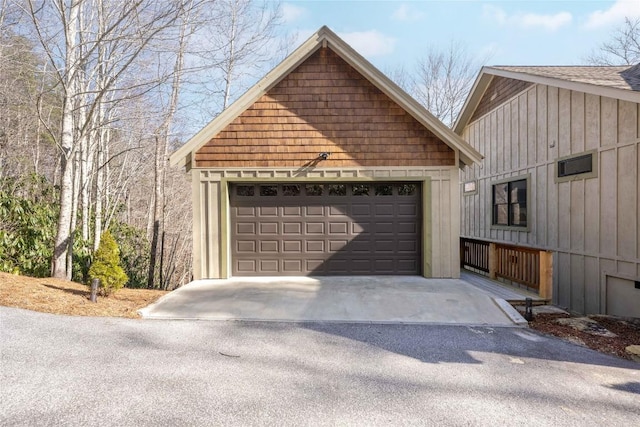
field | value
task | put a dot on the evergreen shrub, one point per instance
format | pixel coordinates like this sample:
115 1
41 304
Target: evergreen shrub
106 266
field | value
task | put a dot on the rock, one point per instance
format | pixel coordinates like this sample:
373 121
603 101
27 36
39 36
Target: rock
634 352
542 309
587 325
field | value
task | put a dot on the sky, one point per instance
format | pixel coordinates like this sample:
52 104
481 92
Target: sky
393 34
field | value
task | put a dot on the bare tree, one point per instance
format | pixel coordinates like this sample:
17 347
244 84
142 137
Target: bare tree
622 49
241 43
67 32
443 79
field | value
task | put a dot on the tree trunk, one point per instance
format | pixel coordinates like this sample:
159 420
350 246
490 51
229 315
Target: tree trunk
63 232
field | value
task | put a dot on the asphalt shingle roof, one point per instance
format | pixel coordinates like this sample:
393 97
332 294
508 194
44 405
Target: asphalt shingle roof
619 77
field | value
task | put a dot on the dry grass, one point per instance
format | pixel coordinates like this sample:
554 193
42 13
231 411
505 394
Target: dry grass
63 297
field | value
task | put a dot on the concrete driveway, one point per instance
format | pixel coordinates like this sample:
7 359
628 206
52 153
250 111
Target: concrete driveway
372 299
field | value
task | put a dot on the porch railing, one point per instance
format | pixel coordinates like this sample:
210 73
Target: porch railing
528 266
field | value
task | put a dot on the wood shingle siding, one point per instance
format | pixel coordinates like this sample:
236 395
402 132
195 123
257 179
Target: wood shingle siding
500 90
324 105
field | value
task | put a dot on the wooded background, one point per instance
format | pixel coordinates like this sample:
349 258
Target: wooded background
94 94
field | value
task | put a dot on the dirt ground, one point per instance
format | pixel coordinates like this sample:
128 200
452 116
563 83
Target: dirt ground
57 296
69 298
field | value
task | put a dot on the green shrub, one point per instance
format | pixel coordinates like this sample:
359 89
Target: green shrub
106 266
134 252
28 214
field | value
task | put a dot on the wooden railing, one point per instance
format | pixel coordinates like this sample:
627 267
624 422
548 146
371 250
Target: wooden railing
518 264
528 266
474 254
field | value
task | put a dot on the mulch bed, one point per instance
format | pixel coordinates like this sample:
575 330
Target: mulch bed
627 331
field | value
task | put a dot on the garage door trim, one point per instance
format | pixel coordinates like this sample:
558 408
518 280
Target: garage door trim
225 212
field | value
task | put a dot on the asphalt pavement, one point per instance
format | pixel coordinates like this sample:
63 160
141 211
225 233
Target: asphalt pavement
74 371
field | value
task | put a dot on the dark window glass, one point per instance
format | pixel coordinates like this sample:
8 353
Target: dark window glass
245 190
313 189
291 190
360 189
407 189
268 190
510 203
383 190
575 165
337 190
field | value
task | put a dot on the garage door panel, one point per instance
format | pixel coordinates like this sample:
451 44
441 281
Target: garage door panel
361 210
314 264
266 211
384 210
248 228
407 227
325 229
246 266
337 245
405 209
360 246
384 246
246 211
338 228
314 210
407 246
246 246
316 246
292 211
293 266
292 246
291 228
268 228
338 210
267 246
269 266
315 228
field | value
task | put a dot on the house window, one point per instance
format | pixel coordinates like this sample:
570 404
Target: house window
576 165
510 203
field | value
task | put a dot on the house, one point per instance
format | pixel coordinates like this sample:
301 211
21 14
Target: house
325 167
560 173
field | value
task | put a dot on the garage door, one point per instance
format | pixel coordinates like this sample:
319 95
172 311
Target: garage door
325 229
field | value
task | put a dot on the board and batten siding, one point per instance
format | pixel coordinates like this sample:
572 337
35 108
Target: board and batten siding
440 207
591 224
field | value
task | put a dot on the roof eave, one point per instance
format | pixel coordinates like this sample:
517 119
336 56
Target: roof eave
325 37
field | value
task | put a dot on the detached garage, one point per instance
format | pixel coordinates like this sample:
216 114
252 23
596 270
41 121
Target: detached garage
325 167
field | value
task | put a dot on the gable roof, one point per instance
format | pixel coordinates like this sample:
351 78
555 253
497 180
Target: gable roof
326 38
620 82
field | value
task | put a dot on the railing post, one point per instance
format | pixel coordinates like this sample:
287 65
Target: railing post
493 260
546 275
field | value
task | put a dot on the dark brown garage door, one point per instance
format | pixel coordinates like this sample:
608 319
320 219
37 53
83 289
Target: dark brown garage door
325 229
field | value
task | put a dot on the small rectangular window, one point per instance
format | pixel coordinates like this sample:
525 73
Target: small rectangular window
509 200
337 190
407 189
291 190
313 190
575 165
383 190
268 190
360 189
245 190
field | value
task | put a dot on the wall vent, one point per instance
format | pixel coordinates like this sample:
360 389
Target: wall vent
575 165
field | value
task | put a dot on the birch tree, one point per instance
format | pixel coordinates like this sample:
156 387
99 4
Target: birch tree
72 44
